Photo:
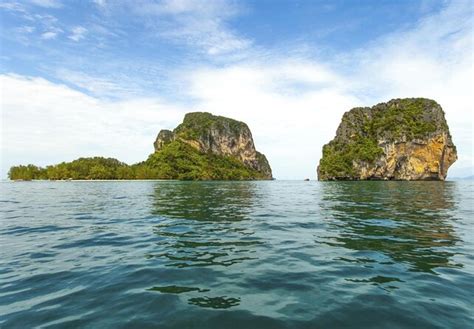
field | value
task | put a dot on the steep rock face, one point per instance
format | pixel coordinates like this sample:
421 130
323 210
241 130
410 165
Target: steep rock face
164 137
404 139
218 136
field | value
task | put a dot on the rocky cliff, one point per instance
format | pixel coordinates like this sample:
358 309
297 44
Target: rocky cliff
403 139
217 137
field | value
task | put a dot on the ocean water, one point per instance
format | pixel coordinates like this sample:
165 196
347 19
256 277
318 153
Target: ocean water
273 254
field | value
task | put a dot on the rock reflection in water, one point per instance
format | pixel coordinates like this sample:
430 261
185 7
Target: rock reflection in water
202 223
374 216
215 302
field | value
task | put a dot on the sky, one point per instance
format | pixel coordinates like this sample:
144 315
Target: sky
103 77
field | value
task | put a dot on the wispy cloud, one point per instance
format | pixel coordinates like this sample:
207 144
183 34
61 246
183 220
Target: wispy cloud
100 3
33 25
47 3
200 24
12 6
26 29
78 33
101 87
50 26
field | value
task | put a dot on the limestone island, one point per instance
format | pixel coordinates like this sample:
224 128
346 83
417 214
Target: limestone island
202 147
403 139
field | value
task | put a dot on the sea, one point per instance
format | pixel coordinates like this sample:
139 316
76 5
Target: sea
247 254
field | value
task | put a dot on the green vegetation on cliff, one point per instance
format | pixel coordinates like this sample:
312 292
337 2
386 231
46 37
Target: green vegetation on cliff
362 129
198 124
338 157
179 160
401 118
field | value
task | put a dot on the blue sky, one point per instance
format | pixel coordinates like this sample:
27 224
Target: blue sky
83 78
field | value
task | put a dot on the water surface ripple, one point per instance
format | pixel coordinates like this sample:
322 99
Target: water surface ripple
277 254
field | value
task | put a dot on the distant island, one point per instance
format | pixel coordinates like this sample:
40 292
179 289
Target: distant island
403 139
203 147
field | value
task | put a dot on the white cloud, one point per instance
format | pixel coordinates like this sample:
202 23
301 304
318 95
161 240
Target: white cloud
49 35
45 123
78 33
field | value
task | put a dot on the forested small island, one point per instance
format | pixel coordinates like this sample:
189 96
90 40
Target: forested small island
403 139
203 147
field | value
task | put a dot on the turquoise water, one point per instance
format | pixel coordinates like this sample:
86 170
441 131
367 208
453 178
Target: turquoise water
276 254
